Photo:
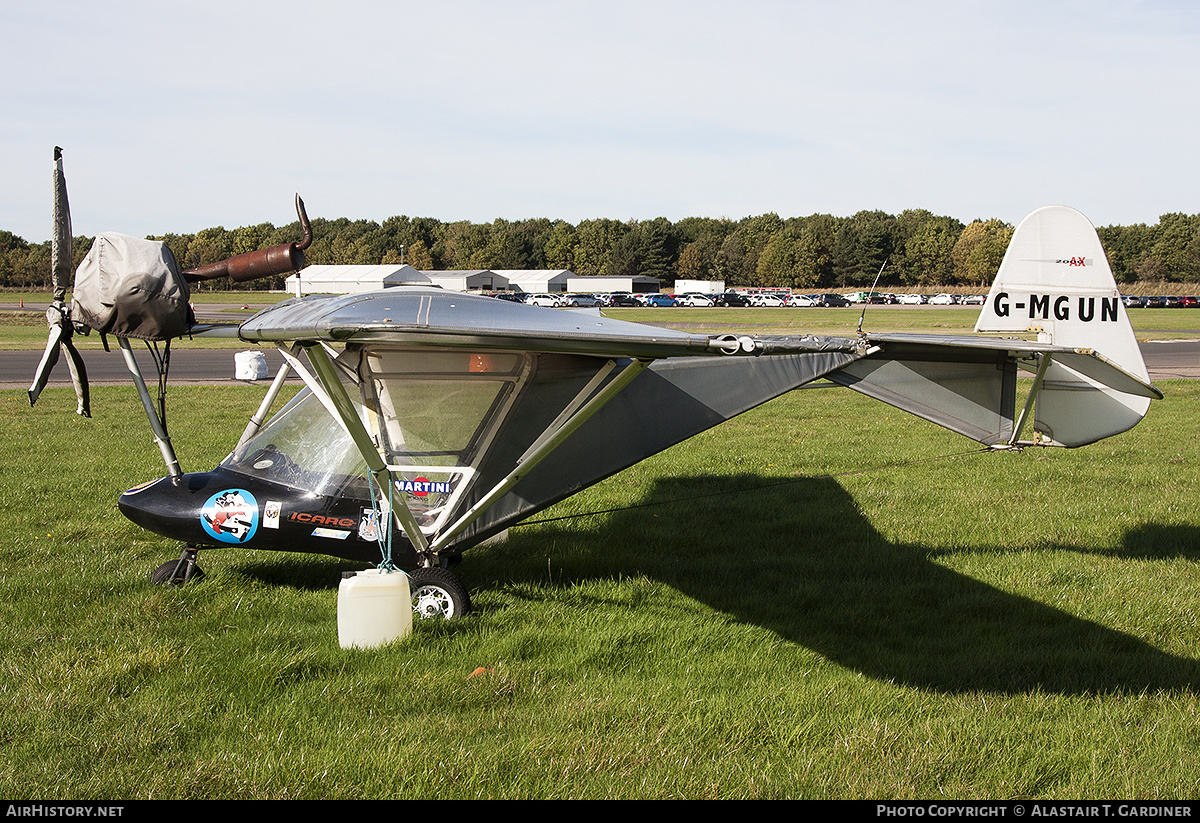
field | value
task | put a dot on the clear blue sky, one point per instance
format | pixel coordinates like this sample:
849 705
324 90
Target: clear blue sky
182 116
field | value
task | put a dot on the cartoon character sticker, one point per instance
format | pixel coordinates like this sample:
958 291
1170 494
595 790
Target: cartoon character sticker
230 516
368 525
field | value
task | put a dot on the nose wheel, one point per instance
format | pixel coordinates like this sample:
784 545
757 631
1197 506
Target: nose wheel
178 572
436 593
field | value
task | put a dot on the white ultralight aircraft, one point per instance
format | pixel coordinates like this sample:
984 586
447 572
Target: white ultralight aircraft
431 421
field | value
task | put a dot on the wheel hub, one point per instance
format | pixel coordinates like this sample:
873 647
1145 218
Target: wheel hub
430 602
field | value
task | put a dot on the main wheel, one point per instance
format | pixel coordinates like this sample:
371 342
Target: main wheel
174 573
438 593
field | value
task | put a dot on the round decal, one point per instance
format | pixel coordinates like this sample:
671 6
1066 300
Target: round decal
230 516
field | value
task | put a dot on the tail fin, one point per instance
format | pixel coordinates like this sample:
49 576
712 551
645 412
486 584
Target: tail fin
1055 280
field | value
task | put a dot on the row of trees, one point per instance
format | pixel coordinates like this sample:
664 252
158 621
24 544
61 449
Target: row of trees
914 249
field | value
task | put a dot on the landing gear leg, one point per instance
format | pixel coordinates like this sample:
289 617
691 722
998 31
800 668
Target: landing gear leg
178 572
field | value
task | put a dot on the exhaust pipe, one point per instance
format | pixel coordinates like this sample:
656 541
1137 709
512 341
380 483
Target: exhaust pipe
253 265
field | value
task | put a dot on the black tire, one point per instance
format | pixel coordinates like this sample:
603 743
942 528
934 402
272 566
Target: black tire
437 593
172 573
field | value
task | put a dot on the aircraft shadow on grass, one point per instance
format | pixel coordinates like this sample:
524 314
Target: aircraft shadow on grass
802 561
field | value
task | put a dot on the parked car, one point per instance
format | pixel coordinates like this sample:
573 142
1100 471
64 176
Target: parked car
511 296
622 298
695 300
766 301
943 300
550 301
661 301
836 300
732 298
973 300
912 299
799 301
582 300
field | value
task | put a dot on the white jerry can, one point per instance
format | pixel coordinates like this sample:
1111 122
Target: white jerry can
374 608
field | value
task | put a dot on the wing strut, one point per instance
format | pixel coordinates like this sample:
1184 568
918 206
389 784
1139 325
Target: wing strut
327 386
1038 379
573 416
264 408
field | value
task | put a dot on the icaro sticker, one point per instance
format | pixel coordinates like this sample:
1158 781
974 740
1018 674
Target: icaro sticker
322 519
230 516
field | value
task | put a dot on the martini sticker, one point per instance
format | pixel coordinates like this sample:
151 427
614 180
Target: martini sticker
230 516
423 487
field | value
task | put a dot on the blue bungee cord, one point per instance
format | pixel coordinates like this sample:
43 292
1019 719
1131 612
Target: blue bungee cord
384 540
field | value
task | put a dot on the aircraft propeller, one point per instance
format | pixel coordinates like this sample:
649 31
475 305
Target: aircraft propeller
58 315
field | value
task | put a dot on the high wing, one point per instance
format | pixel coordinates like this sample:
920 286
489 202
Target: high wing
503 408
479 412
429 317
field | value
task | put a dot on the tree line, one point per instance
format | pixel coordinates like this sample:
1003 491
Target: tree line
914 249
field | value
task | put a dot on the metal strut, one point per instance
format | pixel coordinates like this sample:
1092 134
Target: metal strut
1034 390
156 424
327 386
550 439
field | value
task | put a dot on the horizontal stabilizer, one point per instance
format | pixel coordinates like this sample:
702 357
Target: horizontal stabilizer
968 389
1089 379
968 384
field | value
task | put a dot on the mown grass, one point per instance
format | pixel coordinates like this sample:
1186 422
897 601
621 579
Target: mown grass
821 598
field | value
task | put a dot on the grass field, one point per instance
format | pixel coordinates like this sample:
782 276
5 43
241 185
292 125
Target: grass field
823 598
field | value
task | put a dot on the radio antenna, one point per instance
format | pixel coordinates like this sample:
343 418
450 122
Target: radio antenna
871 292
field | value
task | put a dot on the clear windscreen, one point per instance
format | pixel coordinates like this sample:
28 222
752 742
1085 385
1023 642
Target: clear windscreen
431 413
304 447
